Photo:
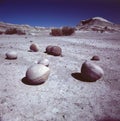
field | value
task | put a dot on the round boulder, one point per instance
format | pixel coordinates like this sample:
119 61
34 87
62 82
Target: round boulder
91 72
54 50
37 74
11 55
44 62
48 49
34 47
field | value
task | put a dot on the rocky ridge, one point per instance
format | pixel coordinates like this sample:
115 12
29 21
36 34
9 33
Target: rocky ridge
98 24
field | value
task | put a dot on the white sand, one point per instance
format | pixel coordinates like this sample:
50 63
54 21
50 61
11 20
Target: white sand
62 97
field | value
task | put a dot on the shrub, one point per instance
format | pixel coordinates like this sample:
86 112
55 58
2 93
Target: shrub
1 32
67 31
14 31
56 32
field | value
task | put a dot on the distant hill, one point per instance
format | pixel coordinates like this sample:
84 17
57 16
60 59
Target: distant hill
5 26
98 24
26 28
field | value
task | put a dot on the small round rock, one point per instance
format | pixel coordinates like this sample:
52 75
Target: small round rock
54 50
48 49
95 58
37 74
44 62
91 72
11 55
34 47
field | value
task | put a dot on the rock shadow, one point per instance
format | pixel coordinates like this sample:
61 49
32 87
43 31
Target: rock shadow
10 58
53 54
27 82
80 77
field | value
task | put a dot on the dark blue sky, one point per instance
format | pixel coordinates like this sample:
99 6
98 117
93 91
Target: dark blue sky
57 12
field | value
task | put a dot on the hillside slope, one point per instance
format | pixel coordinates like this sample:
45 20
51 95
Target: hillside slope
98 24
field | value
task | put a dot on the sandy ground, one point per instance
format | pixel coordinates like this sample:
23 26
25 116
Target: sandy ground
62 97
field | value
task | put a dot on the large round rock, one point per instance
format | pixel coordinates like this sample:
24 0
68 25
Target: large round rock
11 55
34 47
91 72
37 74
48 49
54 50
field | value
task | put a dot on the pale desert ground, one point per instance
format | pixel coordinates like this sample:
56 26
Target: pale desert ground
63 97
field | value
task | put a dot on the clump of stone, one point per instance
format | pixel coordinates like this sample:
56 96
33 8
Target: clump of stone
37 74
54 50
44 62
95 58
11 55
91 72
34 47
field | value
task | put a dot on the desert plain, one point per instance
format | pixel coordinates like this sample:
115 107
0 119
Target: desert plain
63 97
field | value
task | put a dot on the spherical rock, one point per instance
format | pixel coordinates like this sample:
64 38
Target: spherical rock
91 72
48 49
37 74
96 58
44 62
34 47
11 55
54 50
